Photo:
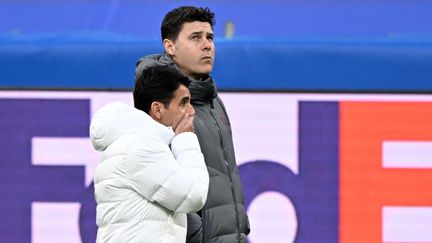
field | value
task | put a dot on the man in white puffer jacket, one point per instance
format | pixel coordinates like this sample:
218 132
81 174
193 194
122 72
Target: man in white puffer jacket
152 172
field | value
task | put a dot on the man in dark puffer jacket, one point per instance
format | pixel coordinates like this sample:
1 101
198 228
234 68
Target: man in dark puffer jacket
187 35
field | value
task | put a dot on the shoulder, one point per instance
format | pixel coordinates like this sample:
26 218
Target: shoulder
147 143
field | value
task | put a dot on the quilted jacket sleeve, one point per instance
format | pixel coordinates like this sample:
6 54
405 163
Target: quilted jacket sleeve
175 178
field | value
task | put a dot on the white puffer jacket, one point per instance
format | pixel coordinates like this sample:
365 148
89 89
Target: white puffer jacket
144 189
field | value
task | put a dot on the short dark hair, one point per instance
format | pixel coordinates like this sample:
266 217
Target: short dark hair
174 20
157 83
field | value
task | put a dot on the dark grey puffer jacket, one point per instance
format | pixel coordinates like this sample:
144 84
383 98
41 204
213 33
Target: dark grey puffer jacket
223 218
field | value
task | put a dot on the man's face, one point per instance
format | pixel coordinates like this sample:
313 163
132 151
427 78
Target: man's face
180 105
193 51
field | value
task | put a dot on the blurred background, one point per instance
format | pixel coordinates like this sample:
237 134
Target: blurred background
330 104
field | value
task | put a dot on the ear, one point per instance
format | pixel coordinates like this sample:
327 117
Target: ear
169 46
156 110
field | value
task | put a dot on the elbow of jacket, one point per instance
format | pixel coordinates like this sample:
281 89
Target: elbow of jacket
196 199
201 203
196 203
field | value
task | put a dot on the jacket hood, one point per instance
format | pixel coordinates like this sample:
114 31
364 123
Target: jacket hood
151 61
202 91
117 119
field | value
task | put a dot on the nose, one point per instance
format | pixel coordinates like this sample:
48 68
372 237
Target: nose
207 45
191 110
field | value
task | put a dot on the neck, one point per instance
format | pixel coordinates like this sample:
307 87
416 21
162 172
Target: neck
197 77
193 76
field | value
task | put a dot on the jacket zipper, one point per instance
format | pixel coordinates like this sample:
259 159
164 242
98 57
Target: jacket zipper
229 175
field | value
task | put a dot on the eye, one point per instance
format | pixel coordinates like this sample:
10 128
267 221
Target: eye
195 37
184 102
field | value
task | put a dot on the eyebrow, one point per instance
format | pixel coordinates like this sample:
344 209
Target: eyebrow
201 32
184 99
